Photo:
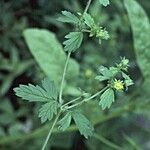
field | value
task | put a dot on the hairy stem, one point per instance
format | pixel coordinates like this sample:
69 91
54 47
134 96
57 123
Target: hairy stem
87 6
88 99
72 101
50 131
63 78
67 60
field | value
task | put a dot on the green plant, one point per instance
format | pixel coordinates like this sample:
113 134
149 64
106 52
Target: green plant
51 94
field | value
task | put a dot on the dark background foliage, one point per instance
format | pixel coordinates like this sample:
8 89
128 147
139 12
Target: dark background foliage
20 128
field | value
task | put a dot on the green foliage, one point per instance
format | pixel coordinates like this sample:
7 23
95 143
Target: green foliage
48 110
47 93
74 39
104 2
64 123
14 67
141 35
50 88
111 74
89 21
68 17
18 119
73 42
128 81
33 93
84 125
95 30
46 49
106 74
107 98
132 142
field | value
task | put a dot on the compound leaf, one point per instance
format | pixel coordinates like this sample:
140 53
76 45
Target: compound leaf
84 125
105 74
107 98
48 110
73 42
64 123
68 17
36 93
50 88
89 21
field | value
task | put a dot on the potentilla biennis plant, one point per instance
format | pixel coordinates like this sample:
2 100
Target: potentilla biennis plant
53 105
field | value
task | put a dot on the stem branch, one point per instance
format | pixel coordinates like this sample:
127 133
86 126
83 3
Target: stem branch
74 100
88 99
37 133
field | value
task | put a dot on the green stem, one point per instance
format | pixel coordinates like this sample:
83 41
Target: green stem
50 131
61 89
130 107
85 30
72 101
88 99
107 142
87 6
63 78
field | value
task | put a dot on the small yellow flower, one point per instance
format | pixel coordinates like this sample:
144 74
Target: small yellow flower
88 73
118 85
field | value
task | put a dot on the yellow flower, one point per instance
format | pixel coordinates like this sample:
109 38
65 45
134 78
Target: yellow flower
118 85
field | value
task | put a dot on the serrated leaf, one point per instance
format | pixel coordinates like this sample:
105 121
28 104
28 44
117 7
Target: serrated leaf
64 123
101 78
68 17
141 36
128 81
84 125
105 71
104 2
89 21
107 98
114 70
106 74
48 110
36 93
50 88
73 42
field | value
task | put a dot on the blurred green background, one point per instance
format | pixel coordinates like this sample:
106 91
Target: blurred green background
126 125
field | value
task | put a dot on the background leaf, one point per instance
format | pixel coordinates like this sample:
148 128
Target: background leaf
141 34
49 54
